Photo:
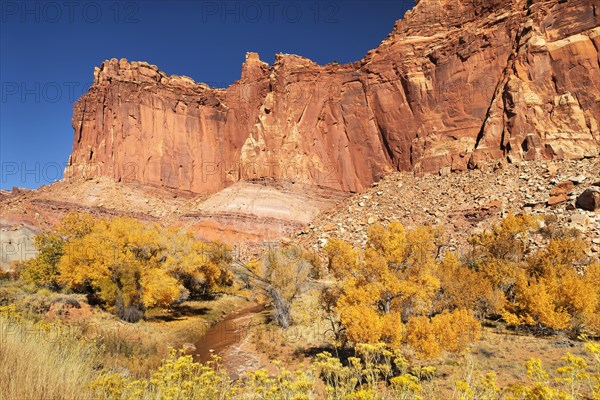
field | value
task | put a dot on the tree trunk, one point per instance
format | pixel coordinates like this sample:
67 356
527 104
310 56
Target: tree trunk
281 307
385 305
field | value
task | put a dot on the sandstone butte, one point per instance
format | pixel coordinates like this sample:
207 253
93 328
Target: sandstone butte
456 85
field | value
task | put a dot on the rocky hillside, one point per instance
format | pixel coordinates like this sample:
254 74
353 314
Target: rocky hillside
457 84
466 203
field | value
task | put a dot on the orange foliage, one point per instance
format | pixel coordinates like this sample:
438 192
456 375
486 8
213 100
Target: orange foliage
451 331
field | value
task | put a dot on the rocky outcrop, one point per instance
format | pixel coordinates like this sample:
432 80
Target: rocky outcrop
455 85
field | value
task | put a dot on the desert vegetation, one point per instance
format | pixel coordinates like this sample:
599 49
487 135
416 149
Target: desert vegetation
400 288
390 316
125 266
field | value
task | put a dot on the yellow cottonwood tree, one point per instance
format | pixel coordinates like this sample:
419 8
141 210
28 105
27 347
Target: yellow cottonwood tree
126 265
43 269
592 315
451 331
394 280
499 252
115 260
199 266
463 287
421 336
551 293
75 225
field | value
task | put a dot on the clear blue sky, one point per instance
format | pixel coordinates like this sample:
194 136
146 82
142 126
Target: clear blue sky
48 51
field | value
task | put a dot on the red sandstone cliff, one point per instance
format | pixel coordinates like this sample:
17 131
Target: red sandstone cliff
456 84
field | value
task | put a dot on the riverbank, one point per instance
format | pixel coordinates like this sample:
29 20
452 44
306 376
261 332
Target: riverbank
133 348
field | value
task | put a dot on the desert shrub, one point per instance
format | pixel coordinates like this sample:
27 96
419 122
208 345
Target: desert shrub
12 274
374 372
9 294
553 229
179 377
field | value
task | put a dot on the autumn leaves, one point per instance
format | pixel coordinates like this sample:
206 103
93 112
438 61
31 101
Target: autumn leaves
389 292
124 265
400 289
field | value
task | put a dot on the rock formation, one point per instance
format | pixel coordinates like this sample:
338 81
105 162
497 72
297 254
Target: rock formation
455 85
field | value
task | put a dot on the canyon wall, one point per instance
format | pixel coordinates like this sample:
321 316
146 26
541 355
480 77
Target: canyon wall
456 85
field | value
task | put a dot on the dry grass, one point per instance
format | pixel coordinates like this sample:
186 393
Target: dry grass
58 356
39 364
503 353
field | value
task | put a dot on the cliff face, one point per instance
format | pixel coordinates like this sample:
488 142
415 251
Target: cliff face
455 85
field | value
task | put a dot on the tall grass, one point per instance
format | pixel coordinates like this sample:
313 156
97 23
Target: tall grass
50 359
37 362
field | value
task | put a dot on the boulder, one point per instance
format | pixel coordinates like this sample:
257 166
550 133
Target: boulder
589 199
580 220
558 199
564 187
578 180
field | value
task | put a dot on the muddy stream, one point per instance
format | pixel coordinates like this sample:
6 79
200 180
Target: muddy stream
227 338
